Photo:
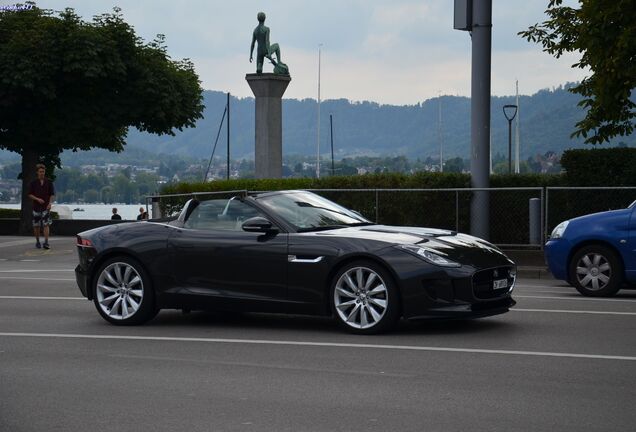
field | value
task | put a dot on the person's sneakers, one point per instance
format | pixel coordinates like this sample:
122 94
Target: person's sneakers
46 246
38 245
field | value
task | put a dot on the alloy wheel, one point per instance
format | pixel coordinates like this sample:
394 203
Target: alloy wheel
120 290
361 298
593 271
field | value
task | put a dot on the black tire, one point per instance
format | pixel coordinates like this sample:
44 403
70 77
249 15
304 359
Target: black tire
377 304
596 262
113 310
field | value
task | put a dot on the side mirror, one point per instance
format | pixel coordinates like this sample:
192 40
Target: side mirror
258 224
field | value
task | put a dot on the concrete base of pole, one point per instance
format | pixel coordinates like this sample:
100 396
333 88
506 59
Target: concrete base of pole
535 221
268 90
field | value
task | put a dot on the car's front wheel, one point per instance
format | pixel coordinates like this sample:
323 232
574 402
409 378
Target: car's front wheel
122 292
596 271
364 298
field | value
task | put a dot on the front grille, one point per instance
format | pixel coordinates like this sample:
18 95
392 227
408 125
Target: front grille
483 282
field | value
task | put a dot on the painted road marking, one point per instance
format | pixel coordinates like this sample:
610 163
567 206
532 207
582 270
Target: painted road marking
573 311
35 278
323 344
35 271
568 311
39 298
576 298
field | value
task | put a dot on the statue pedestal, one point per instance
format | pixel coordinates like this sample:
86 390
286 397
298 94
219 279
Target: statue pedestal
268 89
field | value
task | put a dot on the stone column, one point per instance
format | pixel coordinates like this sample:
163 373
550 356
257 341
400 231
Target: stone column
268 89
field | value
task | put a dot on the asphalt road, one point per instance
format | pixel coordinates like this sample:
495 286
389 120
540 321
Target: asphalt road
557 362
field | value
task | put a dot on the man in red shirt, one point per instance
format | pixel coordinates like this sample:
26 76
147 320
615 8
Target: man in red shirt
42 192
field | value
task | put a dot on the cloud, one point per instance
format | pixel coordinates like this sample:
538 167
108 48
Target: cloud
389 51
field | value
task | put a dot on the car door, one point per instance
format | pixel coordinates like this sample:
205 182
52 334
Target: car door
213 256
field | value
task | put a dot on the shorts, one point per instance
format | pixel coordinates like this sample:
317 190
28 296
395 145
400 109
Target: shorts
42 219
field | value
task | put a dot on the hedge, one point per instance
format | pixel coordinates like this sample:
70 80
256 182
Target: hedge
509 209
614 166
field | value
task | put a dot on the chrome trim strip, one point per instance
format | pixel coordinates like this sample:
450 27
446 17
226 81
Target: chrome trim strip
293 259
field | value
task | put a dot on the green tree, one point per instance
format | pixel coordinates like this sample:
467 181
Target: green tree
91 196
455 165
604 32
72 84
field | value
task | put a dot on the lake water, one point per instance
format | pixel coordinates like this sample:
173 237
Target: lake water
95 211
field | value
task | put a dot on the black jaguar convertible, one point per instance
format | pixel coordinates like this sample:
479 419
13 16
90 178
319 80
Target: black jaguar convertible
290 252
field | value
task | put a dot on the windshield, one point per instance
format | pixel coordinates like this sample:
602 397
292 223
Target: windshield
308 211
632 205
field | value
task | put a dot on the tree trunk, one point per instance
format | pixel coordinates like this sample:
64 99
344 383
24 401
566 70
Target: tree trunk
29 160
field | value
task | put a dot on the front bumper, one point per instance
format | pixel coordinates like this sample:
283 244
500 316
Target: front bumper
429 291
466 311
556 253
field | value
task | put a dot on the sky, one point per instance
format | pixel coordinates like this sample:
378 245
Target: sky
388 51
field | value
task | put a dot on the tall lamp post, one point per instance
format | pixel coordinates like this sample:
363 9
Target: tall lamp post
318 131
510 111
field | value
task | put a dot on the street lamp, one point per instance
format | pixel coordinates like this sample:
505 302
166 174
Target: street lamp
318 131
510 111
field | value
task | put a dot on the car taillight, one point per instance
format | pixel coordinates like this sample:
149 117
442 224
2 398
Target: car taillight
84 242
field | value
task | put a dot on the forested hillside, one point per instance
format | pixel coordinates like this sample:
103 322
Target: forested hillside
367 128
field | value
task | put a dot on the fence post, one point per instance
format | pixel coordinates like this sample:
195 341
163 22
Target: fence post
542 217
156 210
547 203
535 220
376 206
456 210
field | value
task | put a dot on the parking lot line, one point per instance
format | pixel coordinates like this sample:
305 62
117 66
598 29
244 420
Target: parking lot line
572 311
580 298
321 344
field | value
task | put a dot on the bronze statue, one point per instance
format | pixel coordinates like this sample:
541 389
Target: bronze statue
265 50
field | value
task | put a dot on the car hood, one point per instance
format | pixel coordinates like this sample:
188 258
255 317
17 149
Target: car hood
610 215
462 248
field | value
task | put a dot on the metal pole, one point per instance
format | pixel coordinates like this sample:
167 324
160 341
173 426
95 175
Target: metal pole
318 133
377 210
457 210
517 167
480 117
510 146
439 133
228 135
333 168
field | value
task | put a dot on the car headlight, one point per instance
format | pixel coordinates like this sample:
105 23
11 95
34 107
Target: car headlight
559 230
429 255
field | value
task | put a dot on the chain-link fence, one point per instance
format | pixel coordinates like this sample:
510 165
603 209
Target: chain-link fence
434 208
450 208
563 203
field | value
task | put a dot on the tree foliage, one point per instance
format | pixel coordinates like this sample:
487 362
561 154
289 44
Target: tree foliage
604 33
66 83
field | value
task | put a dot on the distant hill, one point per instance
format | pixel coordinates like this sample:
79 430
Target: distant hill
370 129
367 128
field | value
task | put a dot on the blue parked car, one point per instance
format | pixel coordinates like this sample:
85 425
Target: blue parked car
595 253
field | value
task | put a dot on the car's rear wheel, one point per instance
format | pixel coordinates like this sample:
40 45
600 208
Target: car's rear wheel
364 298
596 271
123 294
